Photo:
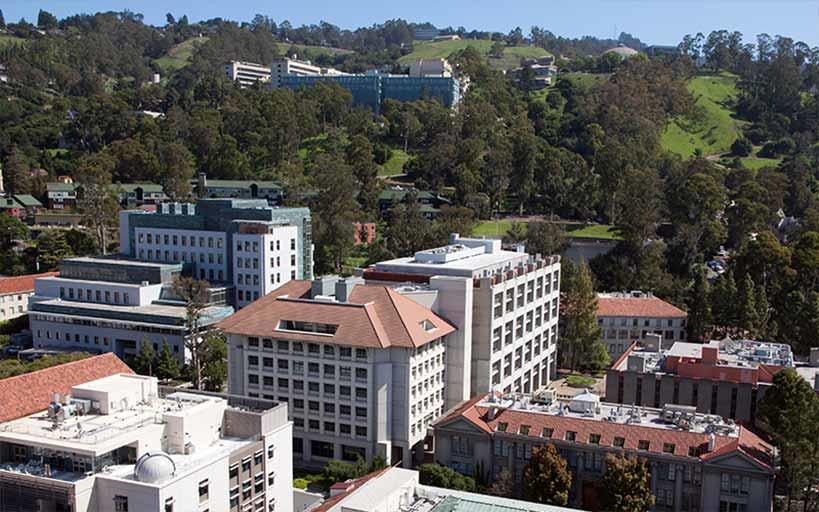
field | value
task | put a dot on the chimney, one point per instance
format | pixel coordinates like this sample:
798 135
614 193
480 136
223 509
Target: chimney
201 184
344 288
710 355
491 413
814 356
712 442
324 285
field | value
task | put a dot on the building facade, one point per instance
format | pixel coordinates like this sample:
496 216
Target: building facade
505 304
243 243
114 305
61 196
15 293
697 463
123 443
727 378
238 189
247 73
627 317
362 367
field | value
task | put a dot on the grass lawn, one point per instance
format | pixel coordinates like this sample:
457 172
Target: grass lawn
592 231
492 228
586 80
436 49
717 130
179 56
395 165
755 162
580 381
303 479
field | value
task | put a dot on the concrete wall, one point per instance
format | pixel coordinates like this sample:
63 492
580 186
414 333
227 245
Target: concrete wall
455 303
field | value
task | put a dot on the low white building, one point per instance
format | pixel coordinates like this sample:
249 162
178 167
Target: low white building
247 73
122 443
399 490
362 367
15 293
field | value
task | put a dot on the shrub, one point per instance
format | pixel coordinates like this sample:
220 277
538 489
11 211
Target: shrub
741 147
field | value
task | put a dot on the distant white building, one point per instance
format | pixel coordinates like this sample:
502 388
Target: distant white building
247 73
430 67
122 443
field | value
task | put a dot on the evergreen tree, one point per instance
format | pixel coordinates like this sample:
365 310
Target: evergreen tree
214 361
360 158
580 333
143 362
2 20
546 479
699 309
746 307
789 413
51 248
46 20
166 366
194 293
16 177
723 300
503 485
626 485
97 197
763 312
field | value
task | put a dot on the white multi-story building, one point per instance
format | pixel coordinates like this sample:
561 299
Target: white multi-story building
362 367
247 73
114 305
284 66
635 316
15 293
240 242
505 305
122 443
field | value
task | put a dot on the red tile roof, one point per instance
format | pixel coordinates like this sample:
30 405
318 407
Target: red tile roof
746 442
31 392
21 284
375 316
347 488
648 307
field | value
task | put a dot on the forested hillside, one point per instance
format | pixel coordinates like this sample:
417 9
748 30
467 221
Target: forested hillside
681 143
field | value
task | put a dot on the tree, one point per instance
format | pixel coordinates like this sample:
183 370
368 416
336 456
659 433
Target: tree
546 479
2 20
178 166
97 198
143 362
11 229
16 173
580 333
46 20
194 293
166 366
214 361
51 248
442 476
545 238
169 19
742 147
789 413
626 485
335 209
503 485
723 300
496 50
360 159
746 307
699 309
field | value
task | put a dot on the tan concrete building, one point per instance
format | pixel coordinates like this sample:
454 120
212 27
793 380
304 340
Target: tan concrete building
627 317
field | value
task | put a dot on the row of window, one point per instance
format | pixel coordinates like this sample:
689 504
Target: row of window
88 295
106 324
635 322
313 349
329 427
313 388
168 239
526 293
253 246
11 311
314 369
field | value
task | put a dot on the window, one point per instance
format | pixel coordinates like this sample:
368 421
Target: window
502 426
668 448
203 491
619 442
643 444
594 438
361 431
169 505
120 503
322 449
361 353
524 430
547 432
570 435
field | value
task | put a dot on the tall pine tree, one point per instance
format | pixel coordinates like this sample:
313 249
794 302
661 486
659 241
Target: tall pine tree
699 310
580 335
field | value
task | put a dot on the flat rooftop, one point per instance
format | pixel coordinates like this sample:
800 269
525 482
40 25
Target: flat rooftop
152 313
748 354
122 261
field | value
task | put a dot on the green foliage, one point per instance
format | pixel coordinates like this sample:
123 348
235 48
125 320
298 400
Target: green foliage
579 381
300 483
546 478
144 361
699 308
579 343
626 485
52 246
442 476
340 471
166 366
214 361
12 367
789 413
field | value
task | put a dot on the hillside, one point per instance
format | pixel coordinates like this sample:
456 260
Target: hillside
180 55
718 128
436 49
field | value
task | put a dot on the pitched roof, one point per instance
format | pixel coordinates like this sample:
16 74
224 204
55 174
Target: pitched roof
374 316
27 200
146 187
58 186
21 284
651 307
746 442
241 184
31 392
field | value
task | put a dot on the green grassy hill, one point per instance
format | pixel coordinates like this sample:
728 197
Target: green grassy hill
180 55
436 49
717 130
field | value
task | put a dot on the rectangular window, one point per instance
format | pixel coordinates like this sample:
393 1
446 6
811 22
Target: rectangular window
203 491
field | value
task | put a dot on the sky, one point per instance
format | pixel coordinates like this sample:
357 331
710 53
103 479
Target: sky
653 21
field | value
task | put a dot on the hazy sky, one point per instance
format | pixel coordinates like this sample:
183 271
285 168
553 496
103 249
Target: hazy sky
653 21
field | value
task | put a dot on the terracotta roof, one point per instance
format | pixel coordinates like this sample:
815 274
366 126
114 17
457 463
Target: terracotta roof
31 392
375 316
651 307
345 489
746 442
21 284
